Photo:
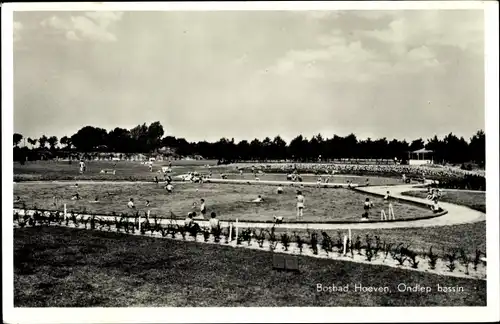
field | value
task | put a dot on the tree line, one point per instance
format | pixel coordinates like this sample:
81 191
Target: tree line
150 139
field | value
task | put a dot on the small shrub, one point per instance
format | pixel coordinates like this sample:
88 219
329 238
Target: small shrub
75 220
314 243
339 244
477 259
357 245
432 259
118 224
386 247
399 254
285 241
300 242
246 236
368 249
206 234
326 243
92 222
412 257
377 247
261 237
451 257
464 260
272 234
173 229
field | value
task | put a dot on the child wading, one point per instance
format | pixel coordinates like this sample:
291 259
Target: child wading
130 203
203 209
300 204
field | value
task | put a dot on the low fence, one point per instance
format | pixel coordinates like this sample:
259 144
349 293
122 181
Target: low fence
346 247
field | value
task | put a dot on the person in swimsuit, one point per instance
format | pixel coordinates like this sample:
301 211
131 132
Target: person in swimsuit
258 199
203 208
214 223
300 204
130 203
367 206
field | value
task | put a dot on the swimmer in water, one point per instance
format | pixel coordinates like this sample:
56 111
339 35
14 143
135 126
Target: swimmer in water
130 203
258 199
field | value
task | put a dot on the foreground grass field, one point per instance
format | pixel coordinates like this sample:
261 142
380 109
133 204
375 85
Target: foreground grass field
61 267
474 200
229 201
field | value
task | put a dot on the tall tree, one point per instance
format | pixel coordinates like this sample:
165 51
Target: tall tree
42 141
417 144
279 147
477 147
155 133
140 138
17 139
119 140
32 141
256 149
297 148
66 141
89 138
52 142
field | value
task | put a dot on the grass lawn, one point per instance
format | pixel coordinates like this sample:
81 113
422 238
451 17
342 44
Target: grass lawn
474 200
229 201
61 267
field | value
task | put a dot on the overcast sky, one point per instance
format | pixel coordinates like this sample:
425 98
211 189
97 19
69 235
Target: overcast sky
247 74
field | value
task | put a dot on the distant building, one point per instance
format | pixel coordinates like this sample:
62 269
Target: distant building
420 157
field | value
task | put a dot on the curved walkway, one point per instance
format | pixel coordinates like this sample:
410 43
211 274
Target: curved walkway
456 214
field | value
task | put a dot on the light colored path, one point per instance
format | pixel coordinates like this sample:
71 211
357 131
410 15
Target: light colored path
456 214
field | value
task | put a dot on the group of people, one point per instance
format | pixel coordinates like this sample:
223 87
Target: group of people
411 172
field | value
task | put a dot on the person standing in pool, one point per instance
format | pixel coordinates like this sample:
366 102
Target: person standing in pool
203 208
300 204
82 166
367 206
